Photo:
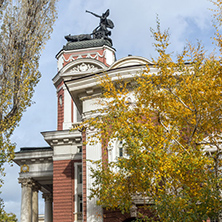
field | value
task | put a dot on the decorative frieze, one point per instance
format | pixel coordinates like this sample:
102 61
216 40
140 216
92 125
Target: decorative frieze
93 55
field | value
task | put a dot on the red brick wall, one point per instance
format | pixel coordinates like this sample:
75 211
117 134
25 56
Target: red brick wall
63 191
60 109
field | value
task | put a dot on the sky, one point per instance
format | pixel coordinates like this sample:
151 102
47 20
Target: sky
189 20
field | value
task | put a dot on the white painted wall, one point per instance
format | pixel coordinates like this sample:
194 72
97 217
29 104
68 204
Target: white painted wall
67 124
94 212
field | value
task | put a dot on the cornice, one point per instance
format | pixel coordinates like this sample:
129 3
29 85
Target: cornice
43 156
82 51
63 137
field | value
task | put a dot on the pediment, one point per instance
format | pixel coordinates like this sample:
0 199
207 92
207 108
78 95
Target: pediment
83 66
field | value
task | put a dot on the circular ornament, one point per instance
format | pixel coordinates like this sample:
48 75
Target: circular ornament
83 67
24 168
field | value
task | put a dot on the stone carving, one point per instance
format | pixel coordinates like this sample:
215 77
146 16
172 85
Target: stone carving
85 68
100 32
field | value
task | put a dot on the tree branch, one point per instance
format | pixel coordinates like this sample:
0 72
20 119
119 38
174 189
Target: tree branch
180 100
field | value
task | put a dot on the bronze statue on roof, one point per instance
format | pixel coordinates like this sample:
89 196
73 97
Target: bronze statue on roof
100 32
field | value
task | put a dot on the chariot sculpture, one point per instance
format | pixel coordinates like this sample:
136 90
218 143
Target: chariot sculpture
100 32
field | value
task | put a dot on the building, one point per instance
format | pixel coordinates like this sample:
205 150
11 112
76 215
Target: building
60 170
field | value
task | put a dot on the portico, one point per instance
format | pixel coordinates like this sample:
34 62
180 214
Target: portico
35 175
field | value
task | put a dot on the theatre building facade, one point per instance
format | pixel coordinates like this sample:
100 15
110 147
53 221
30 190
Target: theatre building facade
60 171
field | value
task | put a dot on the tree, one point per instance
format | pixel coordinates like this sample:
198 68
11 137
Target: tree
4 216
170 131
25 27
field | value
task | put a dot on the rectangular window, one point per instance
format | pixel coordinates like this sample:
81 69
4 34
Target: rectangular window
79 174
80 203
79 207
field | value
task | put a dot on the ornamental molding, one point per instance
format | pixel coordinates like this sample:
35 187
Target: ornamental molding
84 67
96 56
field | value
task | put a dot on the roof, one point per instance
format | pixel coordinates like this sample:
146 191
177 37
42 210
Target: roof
34 149
86 44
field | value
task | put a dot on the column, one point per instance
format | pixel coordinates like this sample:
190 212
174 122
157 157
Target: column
26 205
35 208
48 207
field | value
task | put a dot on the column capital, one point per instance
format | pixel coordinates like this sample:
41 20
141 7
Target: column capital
29 182
26 182
36 186
47 197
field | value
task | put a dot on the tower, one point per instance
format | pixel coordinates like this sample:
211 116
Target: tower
76 60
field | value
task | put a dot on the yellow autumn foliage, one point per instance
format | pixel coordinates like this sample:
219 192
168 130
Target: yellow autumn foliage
171 135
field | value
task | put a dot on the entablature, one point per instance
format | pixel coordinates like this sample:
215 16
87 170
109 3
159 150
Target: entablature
29 155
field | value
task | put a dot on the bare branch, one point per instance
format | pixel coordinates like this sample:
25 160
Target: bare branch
168 130
180 100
